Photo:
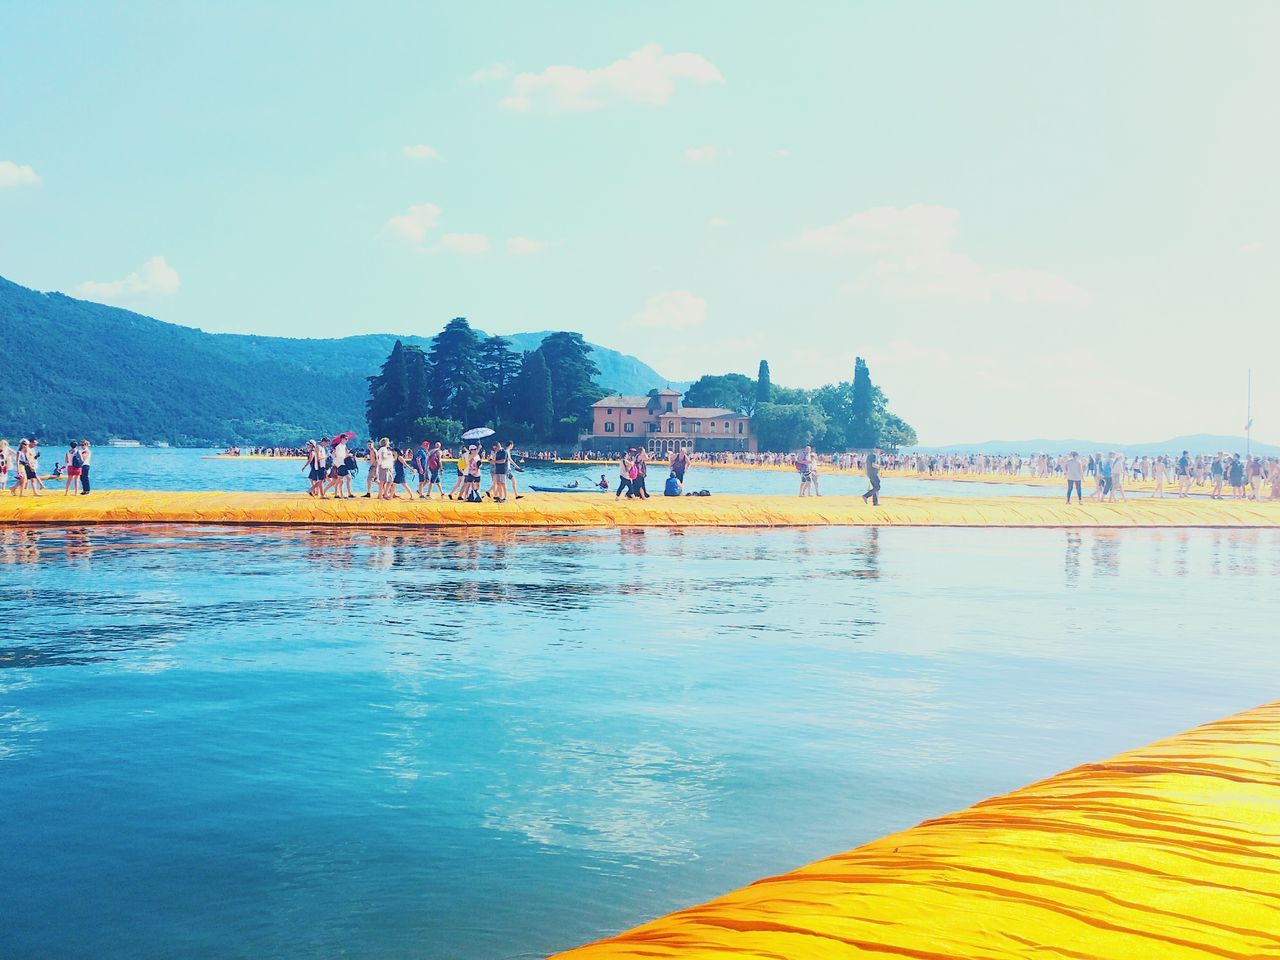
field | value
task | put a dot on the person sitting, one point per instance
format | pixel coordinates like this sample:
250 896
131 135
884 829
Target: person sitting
672 488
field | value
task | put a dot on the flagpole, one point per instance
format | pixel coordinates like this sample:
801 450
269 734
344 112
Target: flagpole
1248 420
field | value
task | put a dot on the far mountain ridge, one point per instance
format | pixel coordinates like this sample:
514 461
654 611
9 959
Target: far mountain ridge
1196 444
100 371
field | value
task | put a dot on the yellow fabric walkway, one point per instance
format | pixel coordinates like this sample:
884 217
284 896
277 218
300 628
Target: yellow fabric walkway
603 510
1170 852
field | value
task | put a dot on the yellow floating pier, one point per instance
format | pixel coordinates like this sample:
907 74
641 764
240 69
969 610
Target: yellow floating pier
603 510
1170 852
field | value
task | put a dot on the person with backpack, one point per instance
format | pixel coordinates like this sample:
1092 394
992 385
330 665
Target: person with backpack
642 471
72 463
420 466
435 462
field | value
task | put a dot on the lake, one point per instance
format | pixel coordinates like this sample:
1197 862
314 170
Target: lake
227 742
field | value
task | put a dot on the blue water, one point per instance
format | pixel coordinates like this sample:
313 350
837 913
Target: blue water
229 742
184 469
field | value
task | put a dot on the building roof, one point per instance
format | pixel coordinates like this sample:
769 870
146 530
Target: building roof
707 413
618 400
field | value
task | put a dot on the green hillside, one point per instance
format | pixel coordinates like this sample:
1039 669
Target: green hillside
76 368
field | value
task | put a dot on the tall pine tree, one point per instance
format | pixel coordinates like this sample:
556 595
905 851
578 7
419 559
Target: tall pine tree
456 389
398 394
499 367
573 387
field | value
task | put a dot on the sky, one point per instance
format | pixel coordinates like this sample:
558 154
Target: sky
1052 219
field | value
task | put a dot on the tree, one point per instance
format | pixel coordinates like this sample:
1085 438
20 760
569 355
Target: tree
498 366
732 390
533 403
456 390
764 385
573 386
445 431
398 394
786 426
896 432
864 425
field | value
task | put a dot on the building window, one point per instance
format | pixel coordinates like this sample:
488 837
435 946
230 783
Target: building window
628 411
726 426
653 427
739 426
628 428
608 428
608 409
668 407
671 426
684 427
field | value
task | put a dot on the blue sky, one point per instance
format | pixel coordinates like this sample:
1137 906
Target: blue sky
1047 219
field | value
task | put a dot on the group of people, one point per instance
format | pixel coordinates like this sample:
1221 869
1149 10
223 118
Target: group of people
23 461
807 465
332 464
1245 476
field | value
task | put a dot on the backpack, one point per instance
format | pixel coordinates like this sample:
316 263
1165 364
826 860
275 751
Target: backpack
77 461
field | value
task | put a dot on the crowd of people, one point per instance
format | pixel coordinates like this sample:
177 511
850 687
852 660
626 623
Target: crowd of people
23 461
332 465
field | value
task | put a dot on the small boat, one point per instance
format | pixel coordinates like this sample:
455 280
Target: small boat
589 489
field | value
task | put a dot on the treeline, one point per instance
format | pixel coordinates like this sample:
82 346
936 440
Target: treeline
463 380
850 415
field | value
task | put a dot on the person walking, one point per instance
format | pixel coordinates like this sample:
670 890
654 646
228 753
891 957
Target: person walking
1074 470
1160 473
421 466
873 477
513 467
626 474
804 463
435 461
642 471
1182 471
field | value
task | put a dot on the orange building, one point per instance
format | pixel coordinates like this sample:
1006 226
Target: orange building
660 424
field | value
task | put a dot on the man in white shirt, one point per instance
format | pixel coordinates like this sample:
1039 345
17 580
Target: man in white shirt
86 454
1074 470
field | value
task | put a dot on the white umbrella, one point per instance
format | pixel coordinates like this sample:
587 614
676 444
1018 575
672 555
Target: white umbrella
478 433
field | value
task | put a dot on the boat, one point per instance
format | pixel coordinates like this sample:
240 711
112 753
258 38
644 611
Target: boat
588 489
117 442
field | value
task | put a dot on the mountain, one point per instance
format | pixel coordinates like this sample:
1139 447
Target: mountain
1198 443
77 368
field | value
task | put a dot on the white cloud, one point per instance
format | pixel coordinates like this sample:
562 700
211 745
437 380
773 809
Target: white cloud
17 174
525 246
420 151
718 222
647 77
464 244
909 253
707 153
154 277
672 310
1248 248
414 223
490 74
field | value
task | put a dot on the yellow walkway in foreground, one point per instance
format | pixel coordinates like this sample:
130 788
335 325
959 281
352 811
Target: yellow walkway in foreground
602 510
1169 852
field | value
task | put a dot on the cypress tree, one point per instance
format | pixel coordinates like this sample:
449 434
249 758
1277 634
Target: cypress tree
864 427
764 386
